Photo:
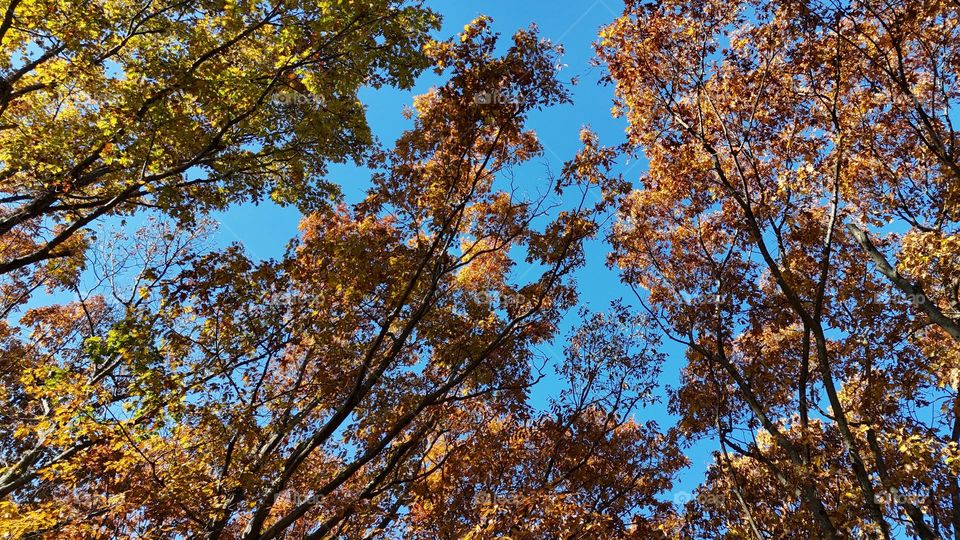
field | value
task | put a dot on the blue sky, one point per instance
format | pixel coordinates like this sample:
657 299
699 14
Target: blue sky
265 230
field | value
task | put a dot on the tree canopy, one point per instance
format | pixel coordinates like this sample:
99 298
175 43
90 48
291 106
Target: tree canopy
797 232
794 236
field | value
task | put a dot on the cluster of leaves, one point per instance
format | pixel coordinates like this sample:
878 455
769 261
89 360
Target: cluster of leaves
183 106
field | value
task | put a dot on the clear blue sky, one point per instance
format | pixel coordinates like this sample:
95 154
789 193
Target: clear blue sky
265 229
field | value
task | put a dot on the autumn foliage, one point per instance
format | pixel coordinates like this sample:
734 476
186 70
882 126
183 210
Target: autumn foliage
797 232
794 236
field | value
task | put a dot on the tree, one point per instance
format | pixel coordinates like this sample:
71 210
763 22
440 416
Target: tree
179 107
796 149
